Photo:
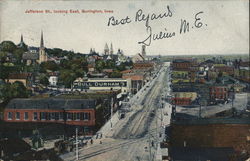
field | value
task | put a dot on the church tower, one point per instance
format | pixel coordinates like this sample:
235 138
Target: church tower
111 49
21 44
106 49
42 54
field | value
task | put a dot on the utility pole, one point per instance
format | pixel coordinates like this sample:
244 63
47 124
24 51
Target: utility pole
77 155
161 112
149 147
111 112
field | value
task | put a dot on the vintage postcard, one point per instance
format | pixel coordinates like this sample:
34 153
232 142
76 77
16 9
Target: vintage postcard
156 80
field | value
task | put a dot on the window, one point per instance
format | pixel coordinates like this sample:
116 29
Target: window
69 116
17 115
61 116
26 115
74 116
48 116
52 115
77 116
86 116
35 116
43 116
56 115
10 115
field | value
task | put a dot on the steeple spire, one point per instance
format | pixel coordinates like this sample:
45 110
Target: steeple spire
106 49
41 43
111 49
21 38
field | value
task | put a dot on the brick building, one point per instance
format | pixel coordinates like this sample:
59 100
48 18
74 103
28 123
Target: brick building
183 64
218 93
181 101
143 65
137 81
230 133
223 69
80 112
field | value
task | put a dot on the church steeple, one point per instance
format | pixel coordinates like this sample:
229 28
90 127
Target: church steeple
21 42
41 42
106 49
111 49
43 57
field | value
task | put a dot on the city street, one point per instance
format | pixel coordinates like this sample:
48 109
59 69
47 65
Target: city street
135 137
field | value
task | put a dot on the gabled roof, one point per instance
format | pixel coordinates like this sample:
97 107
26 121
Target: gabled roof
51 103
30 56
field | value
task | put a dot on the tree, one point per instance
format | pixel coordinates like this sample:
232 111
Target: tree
15 90
99 65
18 90
43 79
3 56
49 65
8 46
115 74
110 64
66 78
18 53
5 70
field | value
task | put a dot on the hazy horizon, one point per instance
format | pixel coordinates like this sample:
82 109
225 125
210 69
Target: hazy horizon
225 26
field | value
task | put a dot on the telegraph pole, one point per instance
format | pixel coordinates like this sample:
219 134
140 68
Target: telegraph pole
149 146
161 111
77 155
111 112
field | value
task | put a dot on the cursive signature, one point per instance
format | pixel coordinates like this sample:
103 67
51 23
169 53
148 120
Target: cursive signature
185 25
140 16
161 35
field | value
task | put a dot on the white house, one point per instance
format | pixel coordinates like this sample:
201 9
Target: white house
53 80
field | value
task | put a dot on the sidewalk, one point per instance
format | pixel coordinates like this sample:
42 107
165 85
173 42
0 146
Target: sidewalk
166 113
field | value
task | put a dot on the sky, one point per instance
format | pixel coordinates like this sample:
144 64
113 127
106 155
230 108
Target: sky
224 30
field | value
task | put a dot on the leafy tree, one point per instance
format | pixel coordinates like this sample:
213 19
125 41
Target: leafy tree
43 79
8 46
5 70
49 65
66 78
18 53
15 90
115 74
110 64
99 65
3 56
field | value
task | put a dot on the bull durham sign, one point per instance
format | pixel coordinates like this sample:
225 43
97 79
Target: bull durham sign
99 84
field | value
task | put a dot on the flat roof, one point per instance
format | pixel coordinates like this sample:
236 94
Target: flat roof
51 103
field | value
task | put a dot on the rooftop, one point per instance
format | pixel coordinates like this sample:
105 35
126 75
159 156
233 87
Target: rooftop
30 56
202 154
51 103
19 75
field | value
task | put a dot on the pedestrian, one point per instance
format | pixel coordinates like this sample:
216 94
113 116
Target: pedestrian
100 142
100 135
97 135
91 141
